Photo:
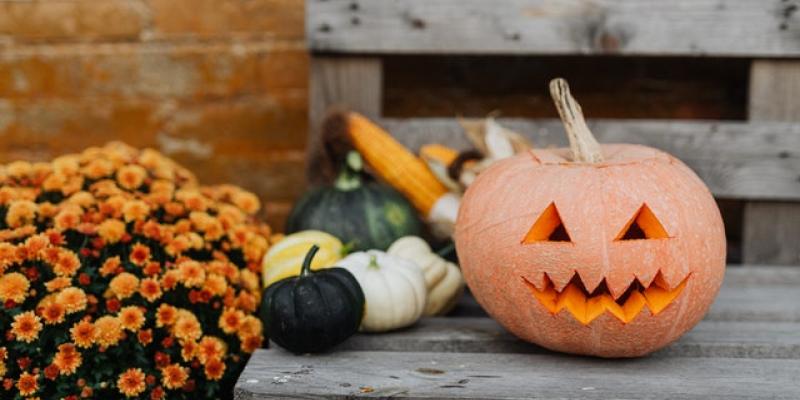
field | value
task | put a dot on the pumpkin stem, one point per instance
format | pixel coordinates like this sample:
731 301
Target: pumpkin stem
583 144
306 269
373 262
350 176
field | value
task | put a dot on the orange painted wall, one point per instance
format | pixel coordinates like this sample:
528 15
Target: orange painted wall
219 85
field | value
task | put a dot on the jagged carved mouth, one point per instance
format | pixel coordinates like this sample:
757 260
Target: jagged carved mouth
586 306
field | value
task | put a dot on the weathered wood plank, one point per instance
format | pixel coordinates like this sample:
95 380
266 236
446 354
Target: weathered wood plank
771 233
483 335
274 374
738 160
632 27
354 83
771 230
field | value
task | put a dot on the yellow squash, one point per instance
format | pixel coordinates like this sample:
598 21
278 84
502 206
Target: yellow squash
285 258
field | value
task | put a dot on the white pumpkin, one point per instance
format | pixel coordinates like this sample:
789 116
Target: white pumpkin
394 289
443 279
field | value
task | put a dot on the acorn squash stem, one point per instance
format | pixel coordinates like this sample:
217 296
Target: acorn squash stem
373 262
583 144
306 269
349 177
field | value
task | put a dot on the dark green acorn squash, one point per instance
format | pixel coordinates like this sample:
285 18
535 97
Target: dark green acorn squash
363 214
315 311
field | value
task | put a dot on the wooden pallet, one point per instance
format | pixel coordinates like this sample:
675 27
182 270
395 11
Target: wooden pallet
757 161
747 347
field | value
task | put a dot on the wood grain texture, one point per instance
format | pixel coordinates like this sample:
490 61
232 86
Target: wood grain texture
630 27
273 374
484 335
353 83
738 160
771 230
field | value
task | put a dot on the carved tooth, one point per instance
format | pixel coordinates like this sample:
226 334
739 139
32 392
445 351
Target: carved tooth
546 297
595 307
572 299
633 305
612 307
658 299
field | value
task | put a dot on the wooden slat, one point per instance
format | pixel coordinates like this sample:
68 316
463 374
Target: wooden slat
484 335
354 83
738 160
273 373
634 27
771 230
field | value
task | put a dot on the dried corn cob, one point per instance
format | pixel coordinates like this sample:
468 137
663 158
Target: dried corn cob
394 163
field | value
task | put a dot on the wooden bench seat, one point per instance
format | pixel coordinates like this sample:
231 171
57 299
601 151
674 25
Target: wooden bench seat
748 347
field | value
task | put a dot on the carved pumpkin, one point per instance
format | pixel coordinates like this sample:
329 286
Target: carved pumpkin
612 250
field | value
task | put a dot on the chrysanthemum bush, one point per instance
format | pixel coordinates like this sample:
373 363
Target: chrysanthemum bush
121 277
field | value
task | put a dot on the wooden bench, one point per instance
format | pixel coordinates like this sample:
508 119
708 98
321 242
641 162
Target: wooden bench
757 161
747 347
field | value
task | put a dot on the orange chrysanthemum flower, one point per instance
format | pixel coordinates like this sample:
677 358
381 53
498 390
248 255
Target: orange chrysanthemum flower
110 266
188 350
166 315
56 284
131 382
26 326
150 289
124 285
145 336
53 312
28 384
14 286
108 331
67 359
83 333
192 273
230 320
170 279
98 168
131 176
21 212
135 210
174 376
140 254
187 327
111 230
210 348
251 326
216 285
132 318
67 264
215 369
3 369
248 202
74 299
251 343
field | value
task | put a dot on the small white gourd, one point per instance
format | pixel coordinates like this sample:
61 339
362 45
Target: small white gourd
394 289
443 279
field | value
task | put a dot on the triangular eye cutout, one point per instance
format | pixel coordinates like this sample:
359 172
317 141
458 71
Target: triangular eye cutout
548 228
643 225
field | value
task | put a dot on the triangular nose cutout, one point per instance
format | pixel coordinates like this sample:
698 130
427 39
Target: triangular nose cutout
644 225
548 228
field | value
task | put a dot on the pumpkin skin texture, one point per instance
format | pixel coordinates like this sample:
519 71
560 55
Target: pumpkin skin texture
512 270
363 215
315 311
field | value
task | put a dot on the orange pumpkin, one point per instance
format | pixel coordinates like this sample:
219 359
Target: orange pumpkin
612 250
